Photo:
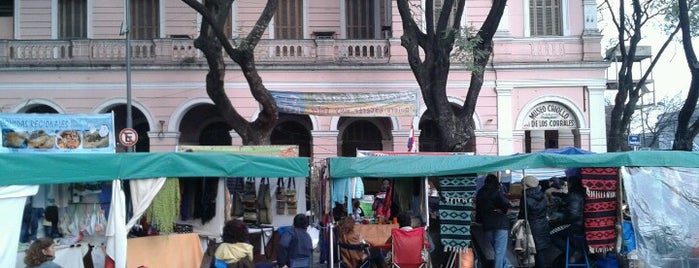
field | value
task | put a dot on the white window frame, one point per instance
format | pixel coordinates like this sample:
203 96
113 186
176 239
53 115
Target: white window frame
462 23
304 13
343 20
54 19
564 19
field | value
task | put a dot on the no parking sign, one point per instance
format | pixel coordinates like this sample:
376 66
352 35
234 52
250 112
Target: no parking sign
128 137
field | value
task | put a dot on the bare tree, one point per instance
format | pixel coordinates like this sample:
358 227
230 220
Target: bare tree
658 122
628 25
211 41
685 133
436 43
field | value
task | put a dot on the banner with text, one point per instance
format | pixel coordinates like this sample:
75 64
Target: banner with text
404 103
83 133
550 116
261 150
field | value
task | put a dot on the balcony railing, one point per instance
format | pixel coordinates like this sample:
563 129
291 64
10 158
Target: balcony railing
182 51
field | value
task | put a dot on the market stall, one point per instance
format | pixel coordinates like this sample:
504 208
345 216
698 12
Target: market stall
26 171
416 166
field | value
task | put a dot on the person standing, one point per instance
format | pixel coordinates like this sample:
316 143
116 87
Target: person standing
536 207
41 253
571 222
235 248
491 212
295 246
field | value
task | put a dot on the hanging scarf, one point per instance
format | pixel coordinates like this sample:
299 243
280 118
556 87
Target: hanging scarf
600 211
455 209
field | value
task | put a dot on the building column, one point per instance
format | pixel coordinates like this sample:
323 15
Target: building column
400 139
325 143
235 138
598 126
590 15
538 140
565 138
505 141
591 33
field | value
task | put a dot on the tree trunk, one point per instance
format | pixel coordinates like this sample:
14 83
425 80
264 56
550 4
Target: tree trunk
429 55
211 42
684 136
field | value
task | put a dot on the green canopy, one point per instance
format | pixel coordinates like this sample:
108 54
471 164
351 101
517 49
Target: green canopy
432 165
46 168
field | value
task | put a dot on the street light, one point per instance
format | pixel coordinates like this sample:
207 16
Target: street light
126 30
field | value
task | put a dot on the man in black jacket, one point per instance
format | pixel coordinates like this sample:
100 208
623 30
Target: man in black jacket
571 223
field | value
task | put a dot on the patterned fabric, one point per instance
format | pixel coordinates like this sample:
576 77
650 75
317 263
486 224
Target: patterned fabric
600 211
455 210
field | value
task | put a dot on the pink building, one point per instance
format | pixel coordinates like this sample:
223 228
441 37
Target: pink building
544 87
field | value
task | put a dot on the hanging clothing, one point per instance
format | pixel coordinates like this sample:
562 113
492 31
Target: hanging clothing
340 188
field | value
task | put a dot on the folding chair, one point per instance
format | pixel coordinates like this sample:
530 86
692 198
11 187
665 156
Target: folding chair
407 247
363 249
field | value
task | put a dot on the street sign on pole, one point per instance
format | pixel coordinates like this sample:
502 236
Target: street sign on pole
634 140
128 137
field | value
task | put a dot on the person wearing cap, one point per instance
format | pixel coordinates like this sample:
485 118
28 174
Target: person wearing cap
534 203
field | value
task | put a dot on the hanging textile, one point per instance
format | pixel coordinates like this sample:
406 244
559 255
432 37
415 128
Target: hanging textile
600 211
280 195
250 201
208 200
264 202
142 194
236 188
455 209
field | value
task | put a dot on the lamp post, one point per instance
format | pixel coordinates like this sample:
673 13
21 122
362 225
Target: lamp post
127 21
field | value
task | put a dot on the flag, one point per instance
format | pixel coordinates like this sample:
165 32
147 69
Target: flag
411 140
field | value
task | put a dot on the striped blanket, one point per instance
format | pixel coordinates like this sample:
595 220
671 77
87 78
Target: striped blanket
455 209
600 212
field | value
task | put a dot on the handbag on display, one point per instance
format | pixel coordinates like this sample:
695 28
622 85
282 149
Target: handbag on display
250 202
291 196
237 191
280 195
264 202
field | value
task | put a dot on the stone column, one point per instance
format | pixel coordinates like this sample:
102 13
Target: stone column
325 143
591 34
400 139
505 123
235 138
538 140
598 126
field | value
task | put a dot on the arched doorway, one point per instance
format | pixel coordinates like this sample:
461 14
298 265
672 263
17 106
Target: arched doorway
549 125
204 125
362 134
40 109
293 129
140 124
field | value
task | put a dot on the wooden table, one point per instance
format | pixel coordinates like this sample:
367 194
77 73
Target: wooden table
175 250
375 234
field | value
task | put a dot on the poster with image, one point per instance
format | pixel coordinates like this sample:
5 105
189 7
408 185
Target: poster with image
35 133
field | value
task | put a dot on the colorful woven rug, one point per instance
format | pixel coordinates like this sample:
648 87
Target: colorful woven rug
455 209
600 212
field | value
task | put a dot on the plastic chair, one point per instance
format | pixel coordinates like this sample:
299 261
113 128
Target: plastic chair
579 242
407 247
